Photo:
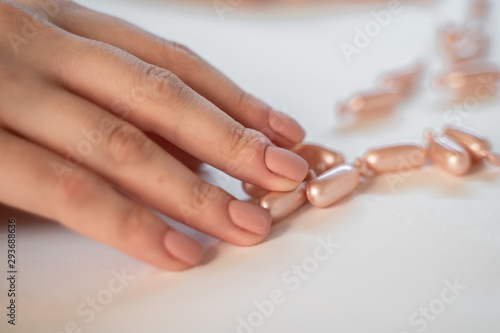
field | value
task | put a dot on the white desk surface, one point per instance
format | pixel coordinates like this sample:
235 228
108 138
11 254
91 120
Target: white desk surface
396 246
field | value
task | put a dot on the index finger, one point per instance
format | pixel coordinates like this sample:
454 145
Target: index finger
156 100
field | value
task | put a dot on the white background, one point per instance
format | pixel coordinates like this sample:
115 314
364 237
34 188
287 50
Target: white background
397 245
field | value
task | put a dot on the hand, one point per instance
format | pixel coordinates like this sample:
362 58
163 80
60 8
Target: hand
100 120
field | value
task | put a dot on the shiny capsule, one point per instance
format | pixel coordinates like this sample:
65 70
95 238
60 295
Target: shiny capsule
403 80
282 204
479 9
450 34
395 157
467 42
476 145
371 104
332 185
253 190
472 79
448 155
318 157
493 159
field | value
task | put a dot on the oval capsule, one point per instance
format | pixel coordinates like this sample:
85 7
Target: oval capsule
493 159
403 80
479 9
472 78
393 157
476 145
371 103
253 190
282 204
332 185
318 157
449 155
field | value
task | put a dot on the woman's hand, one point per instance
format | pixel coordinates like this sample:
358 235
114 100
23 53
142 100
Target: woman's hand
92 107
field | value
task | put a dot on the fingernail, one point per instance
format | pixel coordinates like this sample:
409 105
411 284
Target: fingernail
183 247
285 163
249 216
286 126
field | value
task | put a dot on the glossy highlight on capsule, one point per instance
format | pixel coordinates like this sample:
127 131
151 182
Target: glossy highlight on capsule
476 79
282 204
371 104
402 81
447 154
332 185
474 143
393 157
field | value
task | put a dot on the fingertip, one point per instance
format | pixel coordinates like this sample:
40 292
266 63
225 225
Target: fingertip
250 217
286 126
286 163
183 248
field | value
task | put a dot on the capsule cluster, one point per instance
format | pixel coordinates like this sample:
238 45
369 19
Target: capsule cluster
392 88
464 47
455 149
468 74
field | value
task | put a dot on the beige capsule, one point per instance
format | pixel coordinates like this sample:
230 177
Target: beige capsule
253 190
282 204
332 185
450 34
371 103
479 9
318 157
393 157
448 154
493 159
474 143
465 42
403 80
472 79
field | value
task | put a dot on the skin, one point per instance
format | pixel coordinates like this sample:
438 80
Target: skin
100 121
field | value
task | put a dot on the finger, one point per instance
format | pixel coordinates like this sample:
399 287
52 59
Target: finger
155 100
189 67
84 203
89 136
189 161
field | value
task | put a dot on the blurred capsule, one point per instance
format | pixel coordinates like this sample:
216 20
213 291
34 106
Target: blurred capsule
447 154
472 46
282 204
472 79
403 80
479 9
371 104
474 143
253 190
398 156
493 159
450 34
318 157
332 185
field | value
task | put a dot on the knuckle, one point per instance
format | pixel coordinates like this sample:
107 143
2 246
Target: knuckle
23 21
132 224
182 55
163 86
244 143
127 144
75 189
254 105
